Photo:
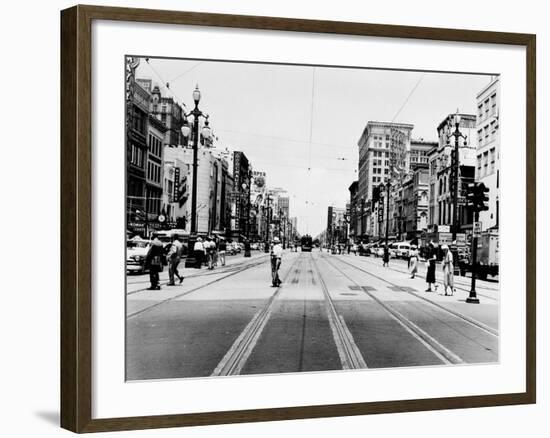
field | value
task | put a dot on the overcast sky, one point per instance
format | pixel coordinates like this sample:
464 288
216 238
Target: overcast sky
301 124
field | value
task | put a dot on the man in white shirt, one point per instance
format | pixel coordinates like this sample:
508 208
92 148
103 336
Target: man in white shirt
174 257
276 257
198 251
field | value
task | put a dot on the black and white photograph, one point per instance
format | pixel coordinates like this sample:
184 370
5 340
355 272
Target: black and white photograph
286 218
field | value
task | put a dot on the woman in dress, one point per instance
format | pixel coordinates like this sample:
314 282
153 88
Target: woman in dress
413 262
448 270
430 272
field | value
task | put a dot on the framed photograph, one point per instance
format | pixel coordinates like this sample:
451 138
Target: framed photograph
270 218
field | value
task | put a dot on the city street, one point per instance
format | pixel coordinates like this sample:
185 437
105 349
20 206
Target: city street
331 312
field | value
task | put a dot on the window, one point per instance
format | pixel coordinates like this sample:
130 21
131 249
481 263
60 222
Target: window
480 137
494 104
492 164
480 111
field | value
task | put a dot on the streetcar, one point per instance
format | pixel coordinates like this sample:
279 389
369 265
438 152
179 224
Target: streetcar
306 243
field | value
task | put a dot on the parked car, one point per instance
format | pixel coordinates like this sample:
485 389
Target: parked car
401 250
136 251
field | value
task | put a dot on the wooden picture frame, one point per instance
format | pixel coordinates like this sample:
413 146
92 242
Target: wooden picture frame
76 218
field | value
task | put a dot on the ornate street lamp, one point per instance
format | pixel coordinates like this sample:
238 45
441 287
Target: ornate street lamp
196 113
455 177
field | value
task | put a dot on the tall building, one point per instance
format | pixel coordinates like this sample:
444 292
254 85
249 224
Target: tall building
440 209
136 160
383 147
169 112
415 203
336 225
212 189
354 211
420 150
488 150
155 168
242 178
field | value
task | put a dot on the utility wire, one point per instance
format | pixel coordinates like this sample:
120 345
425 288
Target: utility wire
408 97
164 84
186 71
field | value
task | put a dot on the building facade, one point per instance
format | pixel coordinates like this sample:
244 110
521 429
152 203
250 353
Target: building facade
136 160
384 149
488 150
440 205
155 169
336 225
170 113
242 178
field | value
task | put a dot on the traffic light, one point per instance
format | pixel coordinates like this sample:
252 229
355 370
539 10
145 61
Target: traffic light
476 196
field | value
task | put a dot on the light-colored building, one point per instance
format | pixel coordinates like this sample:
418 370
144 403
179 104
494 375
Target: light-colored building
384 147
415 203
211 211
336 225
155 169
488 150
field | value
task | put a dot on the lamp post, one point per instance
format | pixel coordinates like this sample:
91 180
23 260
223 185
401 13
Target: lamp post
455 178
196 113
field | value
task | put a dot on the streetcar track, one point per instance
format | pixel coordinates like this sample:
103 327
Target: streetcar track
460 288
236 357
425 311
443 353
138 312
349 353
231 269
459 315
220 269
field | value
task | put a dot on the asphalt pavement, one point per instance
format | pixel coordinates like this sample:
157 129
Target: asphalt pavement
331 312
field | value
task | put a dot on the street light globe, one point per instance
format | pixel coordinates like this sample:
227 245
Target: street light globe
197 95
206 131
186 130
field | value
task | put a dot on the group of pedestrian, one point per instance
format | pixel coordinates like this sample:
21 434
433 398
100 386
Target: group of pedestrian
158 256
209 252
448 268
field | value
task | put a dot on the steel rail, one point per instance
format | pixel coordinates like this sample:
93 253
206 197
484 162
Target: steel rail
159 303
349 353
456 314
443 353
236 357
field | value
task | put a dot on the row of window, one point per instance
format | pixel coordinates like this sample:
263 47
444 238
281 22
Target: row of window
488 107
155 145
136 156
486 163
487 134
153 172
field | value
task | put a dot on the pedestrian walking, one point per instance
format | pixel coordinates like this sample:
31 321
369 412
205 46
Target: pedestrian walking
430 262
448 270
209 247
386 257
198 252
154 262
174 257
247 248
354 249
413 262
222 248
276 258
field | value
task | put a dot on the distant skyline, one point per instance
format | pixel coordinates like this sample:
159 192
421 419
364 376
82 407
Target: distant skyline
301 124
